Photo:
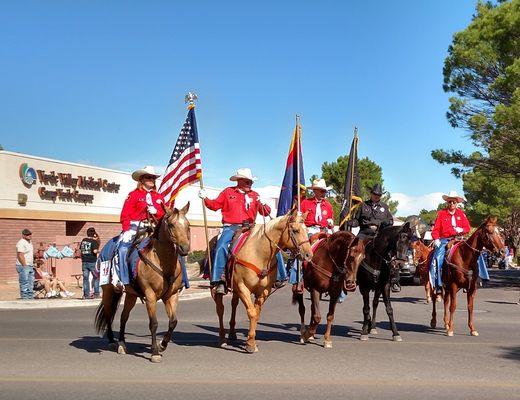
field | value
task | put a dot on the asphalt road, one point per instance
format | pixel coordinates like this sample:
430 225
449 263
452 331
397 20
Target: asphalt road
55 354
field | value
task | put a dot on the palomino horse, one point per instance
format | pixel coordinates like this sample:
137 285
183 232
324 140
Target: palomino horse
383 257
254 270
332 269
159 278
461 271
421 259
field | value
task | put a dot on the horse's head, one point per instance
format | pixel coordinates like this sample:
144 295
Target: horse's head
294 235
490 236
402 245
420 251
176 228
355 255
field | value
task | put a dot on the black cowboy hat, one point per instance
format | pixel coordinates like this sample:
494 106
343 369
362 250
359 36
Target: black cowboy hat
377 190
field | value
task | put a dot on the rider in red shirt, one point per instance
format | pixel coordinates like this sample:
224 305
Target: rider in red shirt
450 222
239 205
320 215
140 203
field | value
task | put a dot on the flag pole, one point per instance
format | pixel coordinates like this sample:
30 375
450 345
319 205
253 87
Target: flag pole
298 198
190 99
298 141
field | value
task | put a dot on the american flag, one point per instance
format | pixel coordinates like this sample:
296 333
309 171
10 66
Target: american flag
185 166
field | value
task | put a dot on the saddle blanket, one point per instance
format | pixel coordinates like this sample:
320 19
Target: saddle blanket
108 265
240 242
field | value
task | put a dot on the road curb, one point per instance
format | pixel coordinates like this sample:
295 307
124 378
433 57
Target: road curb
43 304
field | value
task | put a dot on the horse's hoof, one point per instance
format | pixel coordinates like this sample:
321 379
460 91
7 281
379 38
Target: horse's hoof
449 333
121 349
156 358
222 343
251 349
112 346
474 333
397 338
302 340
428 300
433 324
232 336
161 347
373 331
363 338
327 344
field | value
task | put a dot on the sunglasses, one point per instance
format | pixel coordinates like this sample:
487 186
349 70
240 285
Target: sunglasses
148 177
452 202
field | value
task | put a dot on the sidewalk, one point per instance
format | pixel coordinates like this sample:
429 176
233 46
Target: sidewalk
10 293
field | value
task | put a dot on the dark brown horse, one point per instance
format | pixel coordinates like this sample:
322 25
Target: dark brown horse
461 271
159 278
332 269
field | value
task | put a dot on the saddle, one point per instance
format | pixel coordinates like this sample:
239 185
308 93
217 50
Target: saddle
239 238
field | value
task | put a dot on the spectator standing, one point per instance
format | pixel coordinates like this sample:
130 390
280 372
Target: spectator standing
89 250
24 265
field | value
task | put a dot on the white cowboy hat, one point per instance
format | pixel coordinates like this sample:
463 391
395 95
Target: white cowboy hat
243 173
453 195
148 170
320 185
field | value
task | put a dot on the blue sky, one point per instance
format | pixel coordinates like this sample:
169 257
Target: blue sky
103 83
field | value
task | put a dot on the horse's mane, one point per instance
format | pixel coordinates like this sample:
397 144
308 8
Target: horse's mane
259 230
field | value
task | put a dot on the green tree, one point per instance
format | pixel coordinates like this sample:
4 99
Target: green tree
483 71
369 174
488 194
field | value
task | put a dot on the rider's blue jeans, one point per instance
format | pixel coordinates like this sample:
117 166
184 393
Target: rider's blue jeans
482 267
222 253
436 264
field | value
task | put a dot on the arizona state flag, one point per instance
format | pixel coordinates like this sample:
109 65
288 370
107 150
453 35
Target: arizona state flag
352 190
289 190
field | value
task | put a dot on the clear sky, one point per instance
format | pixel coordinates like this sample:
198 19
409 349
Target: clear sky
103 83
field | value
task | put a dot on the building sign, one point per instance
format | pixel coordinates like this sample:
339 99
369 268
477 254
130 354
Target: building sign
65 186
28 175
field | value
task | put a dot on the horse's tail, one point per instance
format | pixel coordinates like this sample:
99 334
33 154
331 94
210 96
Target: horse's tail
297 298
104 319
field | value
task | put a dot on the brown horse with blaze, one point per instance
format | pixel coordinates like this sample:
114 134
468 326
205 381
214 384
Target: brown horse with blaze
461 271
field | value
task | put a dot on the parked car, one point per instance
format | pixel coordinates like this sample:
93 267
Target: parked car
407 271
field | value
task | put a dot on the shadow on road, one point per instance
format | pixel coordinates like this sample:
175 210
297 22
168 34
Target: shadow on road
511 353
505 279
95 344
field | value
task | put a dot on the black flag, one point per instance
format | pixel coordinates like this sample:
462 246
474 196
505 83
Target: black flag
352 189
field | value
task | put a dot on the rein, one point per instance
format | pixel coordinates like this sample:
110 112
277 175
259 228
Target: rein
261 273
157 269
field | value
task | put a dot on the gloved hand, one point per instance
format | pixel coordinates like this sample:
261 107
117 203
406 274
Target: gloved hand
330 223
152 210
127 236
437 242
262 201
459 230
203 194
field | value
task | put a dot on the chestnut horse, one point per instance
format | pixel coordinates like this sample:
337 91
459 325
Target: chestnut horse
333 268
461 271
254 269
383 257
421 259
159 278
